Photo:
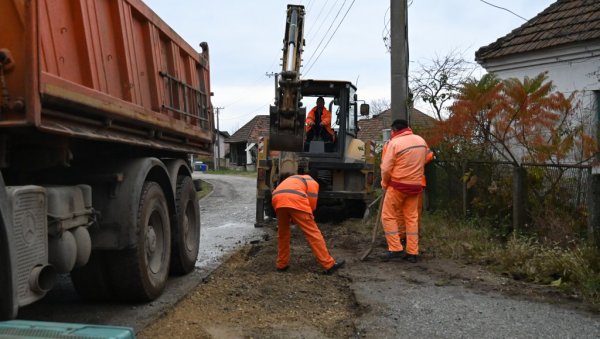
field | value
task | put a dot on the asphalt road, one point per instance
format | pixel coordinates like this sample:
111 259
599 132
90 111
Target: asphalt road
407 301
227 219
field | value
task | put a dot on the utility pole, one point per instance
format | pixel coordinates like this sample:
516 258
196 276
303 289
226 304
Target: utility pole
218 160
399 58
276 76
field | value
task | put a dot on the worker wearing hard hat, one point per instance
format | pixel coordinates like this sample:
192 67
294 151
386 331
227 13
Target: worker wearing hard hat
295 199
402 170
318 123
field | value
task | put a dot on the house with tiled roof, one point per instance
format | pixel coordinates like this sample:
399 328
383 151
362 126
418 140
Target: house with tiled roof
564 41
242 144
371 129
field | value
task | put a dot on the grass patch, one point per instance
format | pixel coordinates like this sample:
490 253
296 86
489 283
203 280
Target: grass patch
233 172
206 189
575 270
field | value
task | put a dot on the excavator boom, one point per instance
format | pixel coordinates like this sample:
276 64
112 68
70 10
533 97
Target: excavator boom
286 131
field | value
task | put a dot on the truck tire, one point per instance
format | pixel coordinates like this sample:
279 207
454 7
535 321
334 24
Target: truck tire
140 274
91 281
186 234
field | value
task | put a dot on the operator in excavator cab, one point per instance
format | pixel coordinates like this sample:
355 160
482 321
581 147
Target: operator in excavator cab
318 123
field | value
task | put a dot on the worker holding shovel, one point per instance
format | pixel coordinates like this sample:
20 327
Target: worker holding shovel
402 169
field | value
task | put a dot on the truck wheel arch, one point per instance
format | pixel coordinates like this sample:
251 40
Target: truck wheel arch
119 211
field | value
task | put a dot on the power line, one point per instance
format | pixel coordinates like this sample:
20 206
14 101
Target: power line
317 18
325 35
331 37
502 8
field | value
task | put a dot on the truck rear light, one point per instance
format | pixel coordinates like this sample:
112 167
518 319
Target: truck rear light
261 175
370 178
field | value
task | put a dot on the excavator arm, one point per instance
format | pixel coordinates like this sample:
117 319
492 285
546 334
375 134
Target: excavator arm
286 131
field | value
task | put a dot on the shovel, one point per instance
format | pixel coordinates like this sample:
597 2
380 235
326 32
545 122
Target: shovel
368 209
375 228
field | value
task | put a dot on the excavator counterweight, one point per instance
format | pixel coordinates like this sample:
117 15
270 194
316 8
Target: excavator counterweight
286 132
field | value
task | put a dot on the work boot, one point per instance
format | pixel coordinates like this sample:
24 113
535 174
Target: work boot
338 264
411 258
393 255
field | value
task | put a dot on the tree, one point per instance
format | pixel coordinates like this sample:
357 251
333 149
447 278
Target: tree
516 121
378 106
437 83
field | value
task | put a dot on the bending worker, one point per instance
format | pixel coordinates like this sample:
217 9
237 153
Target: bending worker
402 169
318 123
295 199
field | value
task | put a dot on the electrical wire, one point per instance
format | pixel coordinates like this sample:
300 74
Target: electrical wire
327 32
331 37
502 8
317 18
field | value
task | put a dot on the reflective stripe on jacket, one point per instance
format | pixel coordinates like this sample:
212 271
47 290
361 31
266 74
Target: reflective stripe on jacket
325 119
403 160
299 192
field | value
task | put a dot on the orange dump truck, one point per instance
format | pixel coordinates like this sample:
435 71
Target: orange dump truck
101 104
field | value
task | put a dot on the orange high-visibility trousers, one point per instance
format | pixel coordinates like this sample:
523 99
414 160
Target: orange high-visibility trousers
312 233
402 227
400 208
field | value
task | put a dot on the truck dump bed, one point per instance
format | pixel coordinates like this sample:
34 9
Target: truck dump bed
103 70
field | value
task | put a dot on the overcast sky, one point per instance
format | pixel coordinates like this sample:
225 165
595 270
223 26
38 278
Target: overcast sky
245 40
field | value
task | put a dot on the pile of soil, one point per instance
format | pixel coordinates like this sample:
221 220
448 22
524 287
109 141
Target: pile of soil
248 297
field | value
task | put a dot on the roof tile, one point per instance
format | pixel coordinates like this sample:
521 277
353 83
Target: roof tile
563 22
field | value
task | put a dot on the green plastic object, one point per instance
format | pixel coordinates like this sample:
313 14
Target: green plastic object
21 329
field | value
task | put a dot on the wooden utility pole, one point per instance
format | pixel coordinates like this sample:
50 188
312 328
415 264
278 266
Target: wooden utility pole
399 58
218 140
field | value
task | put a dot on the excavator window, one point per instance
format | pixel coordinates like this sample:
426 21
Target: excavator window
322 126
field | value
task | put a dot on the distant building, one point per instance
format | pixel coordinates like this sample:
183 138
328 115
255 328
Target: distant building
371 129
242 144
221 150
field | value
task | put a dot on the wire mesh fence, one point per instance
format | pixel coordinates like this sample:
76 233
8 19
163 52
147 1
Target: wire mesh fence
554 203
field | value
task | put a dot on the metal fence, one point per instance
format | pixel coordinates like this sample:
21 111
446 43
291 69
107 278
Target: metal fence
552 198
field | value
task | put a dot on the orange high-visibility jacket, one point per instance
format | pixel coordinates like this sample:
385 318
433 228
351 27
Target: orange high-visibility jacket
325 119
403 159
299 192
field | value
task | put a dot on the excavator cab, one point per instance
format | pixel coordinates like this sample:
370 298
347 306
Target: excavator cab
341 101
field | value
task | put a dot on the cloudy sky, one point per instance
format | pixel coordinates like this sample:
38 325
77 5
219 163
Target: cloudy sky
245 41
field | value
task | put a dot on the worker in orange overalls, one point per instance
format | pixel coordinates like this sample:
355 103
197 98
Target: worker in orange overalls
295 199
402 170
318 123
402 227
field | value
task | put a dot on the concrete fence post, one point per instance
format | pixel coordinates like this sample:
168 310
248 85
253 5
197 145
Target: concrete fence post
519 194
593 198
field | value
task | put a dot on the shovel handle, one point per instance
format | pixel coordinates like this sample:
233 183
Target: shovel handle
378 220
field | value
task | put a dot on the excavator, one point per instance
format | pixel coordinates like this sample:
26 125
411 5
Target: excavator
343 165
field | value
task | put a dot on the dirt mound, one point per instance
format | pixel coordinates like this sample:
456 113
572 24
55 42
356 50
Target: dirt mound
247 297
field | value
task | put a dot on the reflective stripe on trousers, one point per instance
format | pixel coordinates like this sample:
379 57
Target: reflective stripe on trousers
400 208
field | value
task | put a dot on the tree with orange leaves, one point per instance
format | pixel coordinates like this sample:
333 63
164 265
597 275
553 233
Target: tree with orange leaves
514 120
